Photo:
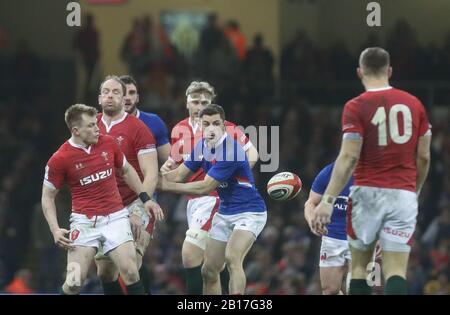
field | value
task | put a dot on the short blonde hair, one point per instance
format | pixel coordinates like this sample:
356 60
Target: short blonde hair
73 114
201 87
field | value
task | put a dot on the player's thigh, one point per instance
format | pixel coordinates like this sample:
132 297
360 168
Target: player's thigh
79 260
394 264
214 255
191 254
331 279
400 221
116 231
106 269
360 260
365 215
124 257
142 242
238 246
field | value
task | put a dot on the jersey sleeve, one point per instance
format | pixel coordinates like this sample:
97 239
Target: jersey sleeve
321 181
160 131
195 159
351 121
55 172
144 141
424 124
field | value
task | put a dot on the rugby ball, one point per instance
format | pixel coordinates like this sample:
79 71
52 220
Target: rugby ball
284 186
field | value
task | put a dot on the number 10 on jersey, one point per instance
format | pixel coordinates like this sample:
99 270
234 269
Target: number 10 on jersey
379 119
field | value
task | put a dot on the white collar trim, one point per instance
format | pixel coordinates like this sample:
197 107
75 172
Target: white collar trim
384 88
79 146
114 122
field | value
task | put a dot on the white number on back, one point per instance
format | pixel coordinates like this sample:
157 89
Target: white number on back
379 119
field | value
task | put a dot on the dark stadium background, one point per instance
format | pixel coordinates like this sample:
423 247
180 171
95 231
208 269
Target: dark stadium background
298 78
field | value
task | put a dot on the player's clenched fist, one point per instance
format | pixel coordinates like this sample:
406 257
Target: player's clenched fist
168 166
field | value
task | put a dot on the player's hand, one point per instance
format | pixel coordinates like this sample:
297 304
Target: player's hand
311 227
322 217
168 166
61 240
154 209
136 225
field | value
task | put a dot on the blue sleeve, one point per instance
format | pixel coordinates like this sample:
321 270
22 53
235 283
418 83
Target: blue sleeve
194 161
161 132
321 181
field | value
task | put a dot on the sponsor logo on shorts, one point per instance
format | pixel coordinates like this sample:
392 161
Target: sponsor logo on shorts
74 235
323 257
397 232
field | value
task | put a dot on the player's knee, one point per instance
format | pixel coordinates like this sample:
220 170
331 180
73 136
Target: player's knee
129 272
107 271
209 273
233 261
330 289
191 258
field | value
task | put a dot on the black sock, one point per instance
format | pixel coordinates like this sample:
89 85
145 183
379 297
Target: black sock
395 285
194 281
359 287
112 288
144 274
136 288
225 281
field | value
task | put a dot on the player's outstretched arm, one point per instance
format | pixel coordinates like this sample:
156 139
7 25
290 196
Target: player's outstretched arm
148 163
178 175
131 178
49 209
422 161
201 187
252 155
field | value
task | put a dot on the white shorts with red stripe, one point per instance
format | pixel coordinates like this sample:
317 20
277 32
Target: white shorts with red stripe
200 212
381 213
102 232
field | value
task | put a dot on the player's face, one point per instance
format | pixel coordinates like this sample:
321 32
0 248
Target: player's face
131 99
196 102
111 97
213 128
87 130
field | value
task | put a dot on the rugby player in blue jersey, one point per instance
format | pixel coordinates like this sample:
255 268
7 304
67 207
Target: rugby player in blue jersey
335 257
242 213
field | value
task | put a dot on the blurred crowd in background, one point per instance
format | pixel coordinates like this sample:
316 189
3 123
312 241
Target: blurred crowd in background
34 93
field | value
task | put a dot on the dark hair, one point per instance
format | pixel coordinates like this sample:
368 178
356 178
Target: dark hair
128 79
73 114
374 61
212 109
115 78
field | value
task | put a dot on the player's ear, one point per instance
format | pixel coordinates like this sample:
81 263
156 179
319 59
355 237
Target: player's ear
99 100
137 98
390 72
359 72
